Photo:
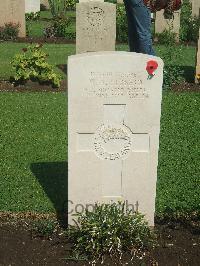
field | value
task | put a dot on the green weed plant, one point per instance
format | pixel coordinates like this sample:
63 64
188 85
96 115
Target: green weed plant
109 230
31 65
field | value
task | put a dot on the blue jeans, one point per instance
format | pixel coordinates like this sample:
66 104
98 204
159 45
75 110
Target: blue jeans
139 27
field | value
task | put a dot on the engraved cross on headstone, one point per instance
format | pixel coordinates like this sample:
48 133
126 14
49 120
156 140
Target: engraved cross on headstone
112 143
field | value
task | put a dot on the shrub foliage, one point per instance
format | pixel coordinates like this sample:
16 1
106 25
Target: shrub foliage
9 31
32 65
110 230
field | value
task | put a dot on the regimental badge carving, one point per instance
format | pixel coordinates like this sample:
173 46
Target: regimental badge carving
96 17
112 142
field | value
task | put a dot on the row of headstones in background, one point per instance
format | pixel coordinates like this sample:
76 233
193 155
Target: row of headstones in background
174 24
198 59
95 26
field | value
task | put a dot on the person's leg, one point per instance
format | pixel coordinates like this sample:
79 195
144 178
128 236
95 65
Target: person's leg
132 32
139 17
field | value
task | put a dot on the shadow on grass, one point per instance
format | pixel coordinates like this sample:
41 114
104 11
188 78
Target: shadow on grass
53 177
189 73
63 67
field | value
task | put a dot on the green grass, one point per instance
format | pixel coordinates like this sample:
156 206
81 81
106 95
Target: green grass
33 149
58 54
33 138
36 28
178 187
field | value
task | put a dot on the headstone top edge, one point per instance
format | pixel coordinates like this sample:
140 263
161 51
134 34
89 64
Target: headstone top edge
115 53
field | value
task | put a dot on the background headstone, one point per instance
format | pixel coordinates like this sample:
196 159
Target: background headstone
32 6
95 27
13 11
162 24
114 122
86 1
45 3
198 59
195 7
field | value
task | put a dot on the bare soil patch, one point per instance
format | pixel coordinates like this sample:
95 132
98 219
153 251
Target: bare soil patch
20 246
31 86
186 87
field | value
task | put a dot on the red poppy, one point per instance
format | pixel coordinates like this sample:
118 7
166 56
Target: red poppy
151 67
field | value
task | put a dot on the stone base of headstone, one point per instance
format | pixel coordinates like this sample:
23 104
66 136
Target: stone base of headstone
13 11
95 26
113 130
32 6
162 24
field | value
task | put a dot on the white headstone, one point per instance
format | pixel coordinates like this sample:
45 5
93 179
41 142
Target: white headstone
114 122
32 6
162 24
95 26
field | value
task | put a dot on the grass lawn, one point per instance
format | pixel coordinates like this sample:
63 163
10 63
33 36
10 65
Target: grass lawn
58 54
33 131
36 27
33 149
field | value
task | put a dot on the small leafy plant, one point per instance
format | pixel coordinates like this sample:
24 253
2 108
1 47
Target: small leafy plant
189 26
31 65
32 16
9 31
58 28
122 24
71 4
166 37
110 230
43 228
173 73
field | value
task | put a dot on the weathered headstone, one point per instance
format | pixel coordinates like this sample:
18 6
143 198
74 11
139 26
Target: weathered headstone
195 7
45 3
13 11
114 122
95 26
32 6
198 60
162 24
